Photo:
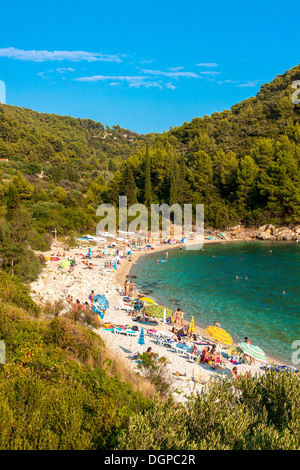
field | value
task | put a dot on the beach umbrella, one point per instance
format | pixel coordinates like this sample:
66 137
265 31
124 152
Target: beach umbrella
148 300
253 351
65 263
219 334
97 310
165 316
192 326
141 340
101 302
157 311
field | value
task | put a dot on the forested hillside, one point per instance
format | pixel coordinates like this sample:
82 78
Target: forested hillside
243 164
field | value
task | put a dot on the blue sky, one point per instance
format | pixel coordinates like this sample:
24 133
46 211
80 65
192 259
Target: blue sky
143 65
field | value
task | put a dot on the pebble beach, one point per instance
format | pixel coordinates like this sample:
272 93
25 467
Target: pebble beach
55 284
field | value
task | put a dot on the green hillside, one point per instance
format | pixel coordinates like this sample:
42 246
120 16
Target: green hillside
242 164
59 390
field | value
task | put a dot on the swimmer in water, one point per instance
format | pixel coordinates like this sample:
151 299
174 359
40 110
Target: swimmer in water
283 292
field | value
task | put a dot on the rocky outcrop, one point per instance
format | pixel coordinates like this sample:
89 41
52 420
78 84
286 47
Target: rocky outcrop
270 232
264 232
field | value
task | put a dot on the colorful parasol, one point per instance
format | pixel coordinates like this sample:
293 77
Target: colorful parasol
192 326
157 311
219 334
253 351
141 337
147 299
65 263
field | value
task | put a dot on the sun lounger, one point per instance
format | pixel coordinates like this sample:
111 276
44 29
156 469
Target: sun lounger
178 348
122 306
124 331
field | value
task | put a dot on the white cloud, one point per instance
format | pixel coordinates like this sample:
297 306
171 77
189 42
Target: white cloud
171 86
210 72
43 74
133 81
175 69
43 56
65 69
98 78
250 83
175 75
227 81
207 64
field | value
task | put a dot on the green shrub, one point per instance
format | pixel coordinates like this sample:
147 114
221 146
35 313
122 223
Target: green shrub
12 290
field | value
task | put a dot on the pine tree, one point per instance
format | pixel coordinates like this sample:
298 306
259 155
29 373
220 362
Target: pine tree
127 186
147 189
13 201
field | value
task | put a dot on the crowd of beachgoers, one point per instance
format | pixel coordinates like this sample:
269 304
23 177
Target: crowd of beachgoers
191 357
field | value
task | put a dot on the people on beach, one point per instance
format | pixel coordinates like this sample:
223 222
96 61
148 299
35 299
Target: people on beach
130 291
236 376
177 317
91 297
154 357
215 357
217 324
181 318
247 358
126 287
206 355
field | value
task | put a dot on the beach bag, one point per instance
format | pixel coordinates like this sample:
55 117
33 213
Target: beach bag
90 297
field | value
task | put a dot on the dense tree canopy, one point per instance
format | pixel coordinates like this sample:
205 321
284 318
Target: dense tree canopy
242 164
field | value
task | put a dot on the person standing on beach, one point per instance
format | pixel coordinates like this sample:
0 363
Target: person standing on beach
125 286
91 297
177 317
181 318
246 340
130 288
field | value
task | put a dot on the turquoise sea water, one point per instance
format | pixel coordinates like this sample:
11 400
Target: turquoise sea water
203 283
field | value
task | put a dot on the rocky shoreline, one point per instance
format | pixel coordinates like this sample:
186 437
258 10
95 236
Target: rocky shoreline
264 232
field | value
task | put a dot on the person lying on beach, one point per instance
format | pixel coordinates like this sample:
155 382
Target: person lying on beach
182 332
155 358
236 376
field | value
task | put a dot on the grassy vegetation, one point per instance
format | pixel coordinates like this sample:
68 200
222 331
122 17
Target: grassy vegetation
60 389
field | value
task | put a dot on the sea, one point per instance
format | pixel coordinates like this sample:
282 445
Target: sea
251 288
